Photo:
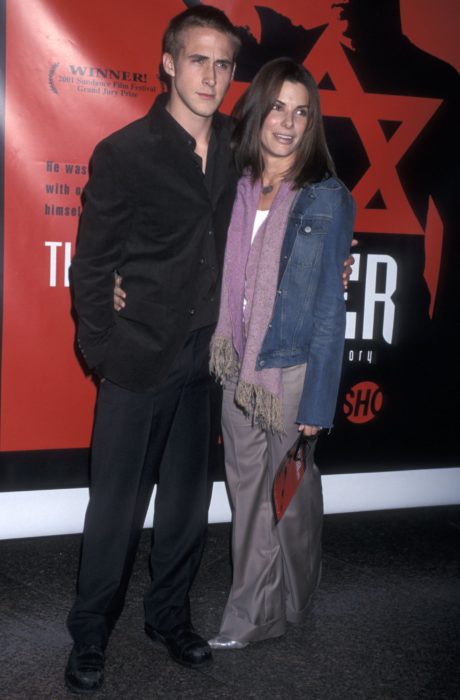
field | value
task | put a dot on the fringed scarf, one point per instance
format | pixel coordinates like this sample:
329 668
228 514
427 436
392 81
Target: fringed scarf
251 273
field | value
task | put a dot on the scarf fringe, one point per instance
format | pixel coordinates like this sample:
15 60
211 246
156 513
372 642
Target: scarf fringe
223 362
262 405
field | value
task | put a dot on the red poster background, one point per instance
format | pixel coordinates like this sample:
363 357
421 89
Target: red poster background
52 122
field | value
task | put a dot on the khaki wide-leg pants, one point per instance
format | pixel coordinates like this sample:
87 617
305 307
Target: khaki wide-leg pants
276 568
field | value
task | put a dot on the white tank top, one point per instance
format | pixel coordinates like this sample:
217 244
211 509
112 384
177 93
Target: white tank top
261 215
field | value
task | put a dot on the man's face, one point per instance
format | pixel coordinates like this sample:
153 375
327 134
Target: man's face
201 73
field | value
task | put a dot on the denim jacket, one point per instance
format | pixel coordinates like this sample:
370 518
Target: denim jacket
308 321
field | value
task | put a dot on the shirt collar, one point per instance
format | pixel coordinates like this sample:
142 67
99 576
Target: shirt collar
164 122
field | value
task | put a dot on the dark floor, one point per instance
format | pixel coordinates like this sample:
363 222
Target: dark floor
385 622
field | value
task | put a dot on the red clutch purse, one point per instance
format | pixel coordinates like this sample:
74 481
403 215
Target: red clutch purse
290 473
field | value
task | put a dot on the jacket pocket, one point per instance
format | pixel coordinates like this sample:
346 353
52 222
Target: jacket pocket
310 240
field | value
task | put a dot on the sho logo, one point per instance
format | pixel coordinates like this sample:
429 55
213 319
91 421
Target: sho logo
363 402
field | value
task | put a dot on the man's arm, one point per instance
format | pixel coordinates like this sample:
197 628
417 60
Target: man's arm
104 227
348 265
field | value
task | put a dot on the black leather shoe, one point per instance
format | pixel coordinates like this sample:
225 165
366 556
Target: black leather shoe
184 645
84 672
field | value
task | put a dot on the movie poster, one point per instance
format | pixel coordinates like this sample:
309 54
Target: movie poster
75 71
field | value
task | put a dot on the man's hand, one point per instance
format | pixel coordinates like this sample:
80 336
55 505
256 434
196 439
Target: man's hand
348 264
119 295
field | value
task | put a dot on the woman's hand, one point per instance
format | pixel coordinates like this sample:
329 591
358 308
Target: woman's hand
119 295
309 430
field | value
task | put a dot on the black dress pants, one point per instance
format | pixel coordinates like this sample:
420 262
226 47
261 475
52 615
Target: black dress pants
136 437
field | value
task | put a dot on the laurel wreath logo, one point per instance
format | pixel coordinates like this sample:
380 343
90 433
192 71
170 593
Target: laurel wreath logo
51 73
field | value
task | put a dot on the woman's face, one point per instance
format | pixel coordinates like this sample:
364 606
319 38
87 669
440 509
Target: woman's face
285 124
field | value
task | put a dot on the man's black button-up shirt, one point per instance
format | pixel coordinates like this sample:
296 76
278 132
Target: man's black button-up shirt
205 301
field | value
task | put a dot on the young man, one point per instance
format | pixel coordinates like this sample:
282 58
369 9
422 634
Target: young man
156 209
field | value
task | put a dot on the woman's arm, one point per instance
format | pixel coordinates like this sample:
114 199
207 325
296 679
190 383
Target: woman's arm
324 360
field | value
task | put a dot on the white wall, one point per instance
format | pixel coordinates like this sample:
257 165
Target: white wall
59 512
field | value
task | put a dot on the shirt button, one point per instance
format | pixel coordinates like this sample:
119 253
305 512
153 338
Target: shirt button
261 363
201 261
210 233
279 291
191 311
307 229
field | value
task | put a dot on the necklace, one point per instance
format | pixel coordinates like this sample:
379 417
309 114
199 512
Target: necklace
275 181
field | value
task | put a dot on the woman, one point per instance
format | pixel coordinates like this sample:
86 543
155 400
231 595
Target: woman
278 344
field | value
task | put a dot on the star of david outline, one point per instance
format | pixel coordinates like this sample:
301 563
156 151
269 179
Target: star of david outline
367 111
